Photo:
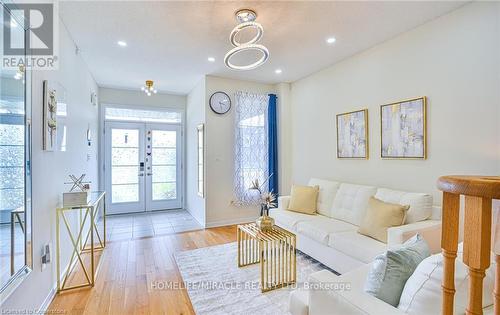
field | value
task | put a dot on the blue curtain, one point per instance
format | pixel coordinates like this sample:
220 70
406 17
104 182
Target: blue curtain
273 144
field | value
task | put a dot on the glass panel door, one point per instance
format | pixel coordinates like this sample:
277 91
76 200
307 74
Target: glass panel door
124 167
142 167
163 172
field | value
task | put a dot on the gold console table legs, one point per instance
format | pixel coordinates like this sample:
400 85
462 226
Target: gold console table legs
82 241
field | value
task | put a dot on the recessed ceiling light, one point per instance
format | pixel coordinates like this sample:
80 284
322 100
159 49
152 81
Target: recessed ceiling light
277 71
331 40
211 59
122 43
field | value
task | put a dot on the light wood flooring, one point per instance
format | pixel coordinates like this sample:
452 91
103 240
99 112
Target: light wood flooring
130 267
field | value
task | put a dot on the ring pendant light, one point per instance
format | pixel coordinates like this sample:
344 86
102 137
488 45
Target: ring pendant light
246 18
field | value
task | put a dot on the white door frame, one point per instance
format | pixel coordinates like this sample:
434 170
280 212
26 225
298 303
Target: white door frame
102 145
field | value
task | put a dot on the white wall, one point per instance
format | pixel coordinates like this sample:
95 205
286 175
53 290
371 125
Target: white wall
51 169
219 135
453 60
195 115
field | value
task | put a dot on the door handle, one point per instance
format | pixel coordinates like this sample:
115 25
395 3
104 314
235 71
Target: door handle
140 174
149 174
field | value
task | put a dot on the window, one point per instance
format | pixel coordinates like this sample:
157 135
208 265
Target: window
251 145
201 163
12 156
131 114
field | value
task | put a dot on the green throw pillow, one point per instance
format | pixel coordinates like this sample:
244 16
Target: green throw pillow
390 271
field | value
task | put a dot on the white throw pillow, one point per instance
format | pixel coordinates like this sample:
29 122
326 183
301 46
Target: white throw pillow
351 202
422 292
420 204
327 192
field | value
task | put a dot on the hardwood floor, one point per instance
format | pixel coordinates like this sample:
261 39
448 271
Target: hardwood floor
128 271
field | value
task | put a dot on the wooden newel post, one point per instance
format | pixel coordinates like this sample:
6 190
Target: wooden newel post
479 192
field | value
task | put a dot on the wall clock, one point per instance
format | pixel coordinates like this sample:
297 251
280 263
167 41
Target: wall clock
220 103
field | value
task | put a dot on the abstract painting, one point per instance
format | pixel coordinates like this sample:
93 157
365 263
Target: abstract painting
352 135
403 133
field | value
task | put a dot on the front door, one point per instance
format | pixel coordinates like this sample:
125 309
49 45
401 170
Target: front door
142 167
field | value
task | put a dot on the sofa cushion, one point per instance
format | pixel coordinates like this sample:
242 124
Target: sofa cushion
321 227
422 292
379 217
304 199
327 192
420 204
289 219
358 246
391 270
350 202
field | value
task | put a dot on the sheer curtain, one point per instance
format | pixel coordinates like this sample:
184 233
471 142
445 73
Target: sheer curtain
251 145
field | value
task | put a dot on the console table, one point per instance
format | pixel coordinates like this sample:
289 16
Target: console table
81 239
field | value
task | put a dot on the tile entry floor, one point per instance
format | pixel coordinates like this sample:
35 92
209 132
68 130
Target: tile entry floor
147 224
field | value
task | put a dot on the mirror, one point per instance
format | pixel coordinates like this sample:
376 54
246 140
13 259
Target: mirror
201 163
15 153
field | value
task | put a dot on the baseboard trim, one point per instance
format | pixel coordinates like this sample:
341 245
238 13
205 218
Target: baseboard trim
202 224
230 222
46 303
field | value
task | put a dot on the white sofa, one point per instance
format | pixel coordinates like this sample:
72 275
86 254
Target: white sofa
331 236
321 299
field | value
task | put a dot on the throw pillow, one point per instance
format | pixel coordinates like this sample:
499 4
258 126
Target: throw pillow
422 291
303 199
379 217
390 271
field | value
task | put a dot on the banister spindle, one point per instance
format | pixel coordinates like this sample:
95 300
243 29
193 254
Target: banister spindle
449 244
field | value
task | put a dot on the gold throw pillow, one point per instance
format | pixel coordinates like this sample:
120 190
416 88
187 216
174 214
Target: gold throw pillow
380 216
304 199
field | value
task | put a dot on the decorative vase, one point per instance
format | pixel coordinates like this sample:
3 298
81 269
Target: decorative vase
265 223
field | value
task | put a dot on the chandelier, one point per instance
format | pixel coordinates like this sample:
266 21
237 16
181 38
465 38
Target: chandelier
246 18
148 88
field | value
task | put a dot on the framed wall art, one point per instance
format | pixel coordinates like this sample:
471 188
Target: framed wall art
403 129
352 135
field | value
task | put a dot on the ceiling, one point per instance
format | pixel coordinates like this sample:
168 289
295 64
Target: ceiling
169 42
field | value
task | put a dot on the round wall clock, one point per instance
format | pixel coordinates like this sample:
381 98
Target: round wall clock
220 103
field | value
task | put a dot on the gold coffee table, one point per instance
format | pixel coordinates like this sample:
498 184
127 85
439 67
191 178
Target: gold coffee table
274 249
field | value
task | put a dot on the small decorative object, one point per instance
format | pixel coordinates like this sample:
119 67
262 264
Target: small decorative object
403 129
93 98
76 198
49 117
268 201
148 88
89 136
352 135
220 103
265 222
